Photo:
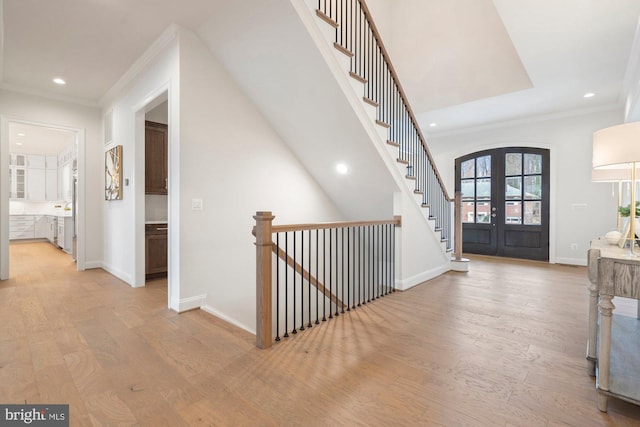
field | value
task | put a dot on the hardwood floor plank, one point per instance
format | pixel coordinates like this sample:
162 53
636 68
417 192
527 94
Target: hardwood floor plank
503 345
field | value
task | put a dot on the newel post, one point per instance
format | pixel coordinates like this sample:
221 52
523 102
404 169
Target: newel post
457 219
264 249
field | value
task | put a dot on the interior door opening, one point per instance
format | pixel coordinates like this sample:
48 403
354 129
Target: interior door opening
505 202
43 197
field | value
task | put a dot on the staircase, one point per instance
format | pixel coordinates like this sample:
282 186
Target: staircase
348 29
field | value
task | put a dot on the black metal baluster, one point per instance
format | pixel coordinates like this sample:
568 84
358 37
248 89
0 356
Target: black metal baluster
293 320
342 273
324 274
317 277
330 274
277 287
286 285
349 269
309 282
302 280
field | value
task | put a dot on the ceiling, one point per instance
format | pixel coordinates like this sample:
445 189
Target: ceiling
463 63
33 139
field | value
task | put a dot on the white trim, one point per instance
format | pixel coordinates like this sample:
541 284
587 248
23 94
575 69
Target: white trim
521 121
165 39
186 304
234 322
571 261
48 95
79 132
89 265
119 274
405 284
631 85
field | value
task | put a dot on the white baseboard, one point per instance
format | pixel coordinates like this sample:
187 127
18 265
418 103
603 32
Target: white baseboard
404 284
226 318
88 265
572 261
118 273
186 304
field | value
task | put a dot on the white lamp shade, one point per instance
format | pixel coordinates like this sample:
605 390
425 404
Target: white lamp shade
612 174
617 145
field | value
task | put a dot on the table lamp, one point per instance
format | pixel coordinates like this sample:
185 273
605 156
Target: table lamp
616 149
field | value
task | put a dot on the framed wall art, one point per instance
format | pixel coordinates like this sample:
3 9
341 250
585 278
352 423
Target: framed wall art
113 173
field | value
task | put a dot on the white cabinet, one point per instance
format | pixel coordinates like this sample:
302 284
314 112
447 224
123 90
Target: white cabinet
36 185
52 162
21 227
65 233
52 228
40 227
33 177
51 182
64 179
17 182
36 162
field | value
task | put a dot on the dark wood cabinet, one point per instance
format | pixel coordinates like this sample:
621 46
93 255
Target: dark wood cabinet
156 250
156 156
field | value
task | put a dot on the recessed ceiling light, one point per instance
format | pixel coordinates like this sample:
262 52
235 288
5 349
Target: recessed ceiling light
59 81
342 169
20 134
18 143
433 125
589 95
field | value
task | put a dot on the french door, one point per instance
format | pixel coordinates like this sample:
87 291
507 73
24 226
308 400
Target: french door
505 202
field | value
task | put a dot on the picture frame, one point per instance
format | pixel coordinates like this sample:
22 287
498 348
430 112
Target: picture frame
113 173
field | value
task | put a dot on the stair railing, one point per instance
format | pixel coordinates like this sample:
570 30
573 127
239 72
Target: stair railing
358 37
319 272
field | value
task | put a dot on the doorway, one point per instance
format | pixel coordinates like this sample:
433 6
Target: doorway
45 189
505 202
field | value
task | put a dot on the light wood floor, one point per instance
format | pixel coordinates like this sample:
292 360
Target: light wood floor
500 346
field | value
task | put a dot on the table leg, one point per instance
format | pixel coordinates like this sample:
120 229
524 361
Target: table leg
592 343
606 308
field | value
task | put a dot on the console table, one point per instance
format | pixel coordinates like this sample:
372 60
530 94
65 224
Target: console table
615 360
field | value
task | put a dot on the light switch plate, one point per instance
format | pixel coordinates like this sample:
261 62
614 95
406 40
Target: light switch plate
196 204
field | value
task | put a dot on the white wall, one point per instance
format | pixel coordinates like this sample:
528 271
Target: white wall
233 160
49 111
124 219
580 209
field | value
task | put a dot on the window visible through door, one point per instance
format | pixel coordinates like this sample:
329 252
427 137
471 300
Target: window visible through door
505 202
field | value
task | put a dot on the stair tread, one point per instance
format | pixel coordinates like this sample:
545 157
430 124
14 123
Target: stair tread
395 144
370 101
358 77
326 18
343 49
410 177
384 124
406 162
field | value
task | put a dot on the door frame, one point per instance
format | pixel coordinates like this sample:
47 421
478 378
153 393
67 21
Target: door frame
5 120
552 179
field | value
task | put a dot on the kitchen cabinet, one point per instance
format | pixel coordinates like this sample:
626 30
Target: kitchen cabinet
17 182
51 184
21 227
36 162
156 158
36 186
40 227
65 233
156 250
52 228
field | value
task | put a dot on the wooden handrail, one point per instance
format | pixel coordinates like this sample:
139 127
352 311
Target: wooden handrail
397 221
385 54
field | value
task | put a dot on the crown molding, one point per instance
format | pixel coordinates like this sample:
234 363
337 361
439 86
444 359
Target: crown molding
44 94
155 49
526 120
